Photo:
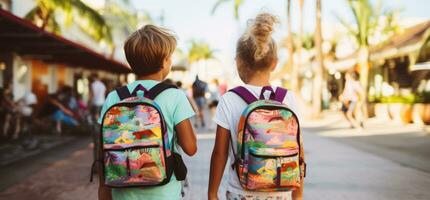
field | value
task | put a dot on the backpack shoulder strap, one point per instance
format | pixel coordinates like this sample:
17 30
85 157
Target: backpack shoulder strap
245 94
123 92
158 89
280 94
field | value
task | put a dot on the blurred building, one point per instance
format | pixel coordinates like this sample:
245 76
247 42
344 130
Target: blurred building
37 60
398 63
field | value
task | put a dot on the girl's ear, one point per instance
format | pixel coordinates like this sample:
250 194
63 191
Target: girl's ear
273 65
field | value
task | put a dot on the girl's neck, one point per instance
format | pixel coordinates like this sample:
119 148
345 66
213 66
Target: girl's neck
156 77
259 79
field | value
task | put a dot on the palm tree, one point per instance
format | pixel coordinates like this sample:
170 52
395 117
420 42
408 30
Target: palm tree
124 21
299 50
200 51
290 46
236 4
43 14
367 18
318 78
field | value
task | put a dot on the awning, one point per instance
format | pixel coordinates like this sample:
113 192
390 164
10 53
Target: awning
421 66
411 40
26 39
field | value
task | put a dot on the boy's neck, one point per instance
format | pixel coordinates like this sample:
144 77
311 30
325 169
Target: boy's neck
156 77
259 79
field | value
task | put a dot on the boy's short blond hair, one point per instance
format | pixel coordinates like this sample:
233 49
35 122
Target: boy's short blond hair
147 48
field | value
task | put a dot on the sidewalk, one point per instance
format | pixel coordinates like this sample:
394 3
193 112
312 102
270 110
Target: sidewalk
335 171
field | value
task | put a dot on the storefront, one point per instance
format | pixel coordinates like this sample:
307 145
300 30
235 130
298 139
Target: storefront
37 60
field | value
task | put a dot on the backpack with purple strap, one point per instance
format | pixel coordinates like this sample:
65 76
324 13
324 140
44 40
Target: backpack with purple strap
269 155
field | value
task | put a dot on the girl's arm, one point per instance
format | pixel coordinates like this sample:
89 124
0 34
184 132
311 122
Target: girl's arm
298 193
218 161
186 137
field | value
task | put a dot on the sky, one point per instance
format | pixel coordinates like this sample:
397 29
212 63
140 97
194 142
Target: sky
192 19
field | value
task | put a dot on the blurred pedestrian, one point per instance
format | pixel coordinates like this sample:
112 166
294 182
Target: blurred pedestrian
57 109
9 111
190 99
214 96
199 91
97 96
222 87
26 110
351 95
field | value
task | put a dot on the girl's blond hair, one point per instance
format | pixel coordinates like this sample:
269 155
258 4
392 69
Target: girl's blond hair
256 49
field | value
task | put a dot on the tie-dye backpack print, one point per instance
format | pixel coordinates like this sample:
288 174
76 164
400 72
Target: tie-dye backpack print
136 150
268 143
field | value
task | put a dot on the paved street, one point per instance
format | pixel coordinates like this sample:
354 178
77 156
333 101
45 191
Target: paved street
342 164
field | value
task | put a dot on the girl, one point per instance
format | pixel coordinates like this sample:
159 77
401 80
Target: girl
256 58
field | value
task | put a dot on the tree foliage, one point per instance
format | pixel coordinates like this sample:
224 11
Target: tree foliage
200 51
368 18
236 6
91 21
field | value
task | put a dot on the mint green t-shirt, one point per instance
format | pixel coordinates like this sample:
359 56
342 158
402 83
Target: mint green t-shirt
175 108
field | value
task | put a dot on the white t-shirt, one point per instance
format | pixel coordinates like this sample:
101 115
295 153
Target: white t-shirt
99 93
227 115
352 90
26 102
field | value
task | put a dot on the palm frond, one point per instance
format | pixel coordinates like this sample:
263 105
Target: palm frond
217 4
200 51
95 25
348 26
32 14
237 4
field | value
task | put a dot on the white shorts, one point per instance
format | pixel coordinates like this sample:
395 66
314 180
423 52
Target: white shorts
234 196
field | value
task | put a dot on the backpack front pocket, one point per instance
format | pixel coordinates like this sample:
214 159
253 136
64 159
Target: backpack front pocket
139 165
271 168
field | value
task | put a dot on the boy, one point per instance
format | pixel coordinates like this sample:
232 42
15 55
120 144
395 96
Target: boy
149 52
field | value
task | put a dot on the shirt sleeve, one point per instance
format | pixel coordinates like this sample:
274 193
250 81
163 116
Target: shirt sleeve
222 117
183 109
111 99
291 102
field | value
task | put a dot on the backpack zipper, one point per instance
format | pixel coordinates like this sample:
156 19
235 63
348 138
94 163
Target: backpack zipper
134 147
269 156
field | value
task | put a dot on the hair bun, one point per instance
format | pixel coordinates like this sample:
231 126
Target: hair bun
261 31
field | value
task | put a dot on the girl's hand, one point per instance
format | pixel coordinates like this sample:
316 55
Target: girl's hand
218 161
212 196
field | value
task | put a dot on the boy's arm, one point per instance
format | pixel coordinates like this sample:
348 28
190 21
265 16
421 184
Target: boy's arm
218 161
186 137
105 193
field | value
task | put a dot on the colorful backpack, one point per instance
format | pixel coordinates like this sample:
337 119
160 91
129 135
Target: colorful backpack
136 150
268 143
